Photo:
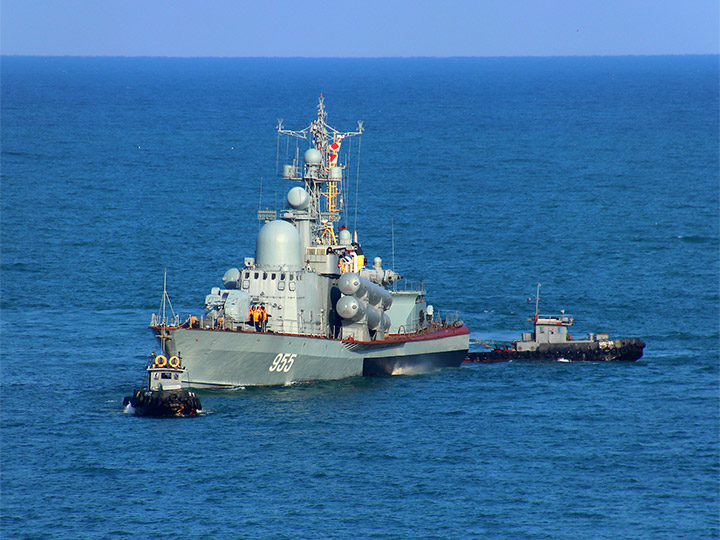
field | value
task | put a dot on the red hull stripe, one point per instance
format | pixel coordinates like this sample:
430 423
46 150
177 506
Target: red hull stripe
392 339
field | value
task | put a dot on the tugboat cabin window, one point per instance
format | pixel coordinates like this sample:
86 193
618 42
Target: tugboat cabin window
166 375
256 275
272 276
282 276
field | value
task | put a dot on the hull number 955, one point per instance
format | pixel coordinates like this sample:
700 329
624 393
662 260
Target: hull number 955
283 362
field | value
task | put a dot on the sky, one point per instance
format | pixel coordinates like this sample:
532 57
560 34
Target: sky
358 28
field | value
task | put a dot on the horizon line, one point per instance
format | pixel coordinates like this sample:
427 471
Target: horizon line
2 55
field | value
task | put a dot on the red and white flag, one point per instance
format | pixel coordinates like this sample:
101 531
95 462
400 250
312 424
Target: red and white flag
334 150
335 147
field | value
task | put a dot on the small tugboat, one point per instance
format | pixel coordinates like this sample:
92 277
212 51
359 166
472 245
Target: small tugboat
162 393
551 341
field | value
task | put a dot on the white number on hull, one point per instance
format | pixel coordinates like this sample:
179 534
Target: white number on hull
283 362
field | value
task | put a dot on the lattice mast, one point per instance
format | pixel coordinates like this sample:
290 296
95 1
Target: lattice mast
322 173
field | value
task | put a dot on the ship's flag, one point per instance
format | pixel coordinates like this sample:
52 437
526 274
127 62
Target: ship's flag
333 151
335 147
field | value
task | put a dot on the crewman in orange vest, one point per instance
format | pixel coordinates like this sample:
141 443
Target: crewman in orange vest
255 312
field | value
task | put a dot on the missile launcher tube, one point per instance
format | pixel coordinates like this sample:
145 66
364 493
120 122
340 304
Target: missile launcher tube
352 284
350 308
353 310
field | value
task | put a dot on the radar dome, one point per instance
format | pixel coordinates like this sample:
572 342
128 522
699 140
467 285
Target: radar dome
345 237
298 198
313 157
231 279
278 244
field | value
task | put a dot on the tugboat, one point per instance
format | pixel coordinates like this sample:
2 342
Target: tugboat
550 341
305 307
162 393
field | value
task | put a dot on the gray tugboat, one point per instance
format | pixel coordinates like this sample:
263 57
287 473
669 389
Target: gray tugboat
306 307
162 392
550 341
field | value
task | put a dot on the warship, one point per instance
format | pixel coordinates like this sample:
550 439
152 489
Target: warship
306 307
550 341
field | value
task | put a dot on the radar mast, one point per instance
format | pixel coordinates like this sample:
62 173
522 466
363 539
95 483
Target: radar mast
323 172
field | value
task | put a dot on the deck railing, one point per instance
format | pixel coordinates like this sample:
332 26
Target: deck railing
157 320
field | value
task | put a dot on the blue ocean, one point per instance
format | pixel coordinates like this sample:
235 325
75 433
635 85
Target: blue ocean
596 177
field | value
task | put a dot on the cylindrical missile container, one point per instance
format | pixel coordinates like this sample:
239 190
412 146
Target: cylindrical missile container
352 284
352 309
376 320
349 307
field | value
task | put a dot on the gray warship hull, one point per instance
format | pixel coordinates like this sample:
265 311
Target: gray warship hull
232 359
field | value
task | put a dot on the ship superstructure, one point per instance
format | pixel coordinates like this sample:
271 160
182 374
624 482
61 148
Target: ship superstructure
307 306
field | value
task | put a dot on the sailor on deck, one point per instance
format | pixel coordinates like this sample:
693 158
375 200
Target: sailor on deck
263 317
255 317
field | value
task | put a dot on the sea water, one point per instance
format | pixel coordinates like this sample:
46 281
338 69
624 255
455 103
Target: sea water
596 177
